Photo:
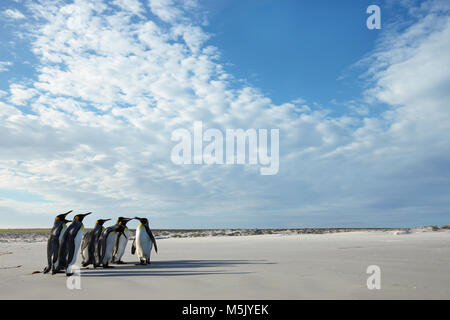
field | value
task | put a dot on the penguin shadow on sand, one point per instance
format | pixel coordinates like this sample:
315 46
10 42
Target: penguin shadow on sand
172 268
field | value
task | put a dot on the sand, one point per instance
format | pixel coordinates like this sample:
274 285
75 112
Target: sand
305 266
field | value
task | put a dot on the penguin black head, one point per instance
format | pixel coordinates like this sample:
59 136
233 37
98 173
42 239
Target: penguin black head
80 217
142 220
123 221
62 217
101 221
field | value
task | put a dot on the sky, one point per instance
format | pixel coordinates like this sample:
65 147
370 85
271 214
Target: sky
92 91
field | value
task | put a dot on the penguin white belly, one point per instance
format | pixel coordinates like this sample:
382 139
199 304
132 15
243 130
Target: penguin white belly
143 244
110 241
77 244
122 244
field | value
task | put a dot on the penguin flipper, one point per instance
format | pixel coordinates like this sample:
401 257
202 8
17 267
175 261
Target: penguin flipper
86 243
116 246
86 240
62 252
49 255
133 246
150 234
154 242
71 250
91 250
71 243
102 242
96 248
55 249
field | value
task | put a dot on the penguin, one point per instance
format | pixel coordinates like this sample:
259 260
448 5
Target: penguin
106 244
121 242
70 244
90 241
143 242
54 240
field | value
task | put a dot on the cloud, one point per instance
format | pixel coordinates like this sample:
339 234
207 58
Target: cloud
4 65
412 77
13 14
166 10
20 94
92 130
133 6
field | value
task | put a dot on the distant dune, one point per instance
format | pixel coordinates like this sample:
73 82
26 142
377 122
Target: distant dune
39 235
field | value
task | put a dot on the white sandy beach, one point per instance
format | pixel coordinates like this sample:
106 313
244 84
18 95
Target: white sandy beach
305 266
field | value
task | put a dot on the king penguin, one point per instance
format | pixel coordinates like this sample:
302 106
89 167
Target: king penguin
70 244
106 244
121 242
143 242
89 244
54 240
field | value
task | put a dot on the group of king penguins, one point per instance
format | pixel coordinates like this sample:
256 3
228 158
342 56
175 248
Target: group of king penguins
99 246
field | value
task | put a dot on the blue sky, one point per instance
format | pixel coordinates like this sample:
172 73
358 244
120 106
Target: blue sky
90 93
293 47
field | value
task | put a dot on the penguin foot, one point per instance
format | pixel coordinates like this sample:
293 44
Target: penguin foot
120 262
69 274
47 269
57 271
108 267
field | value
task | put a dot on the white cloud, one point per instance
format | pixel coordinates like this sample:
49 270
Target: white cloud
299 101
13 14
165 10
133 6
413 77
4 65
20 94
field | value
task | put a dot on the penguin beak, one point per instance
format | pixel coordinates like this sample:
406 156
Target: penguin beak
62 217
102 221
82 216
125 220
